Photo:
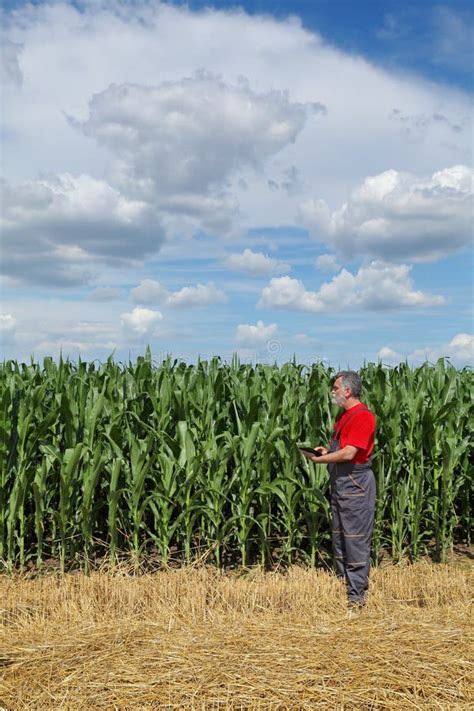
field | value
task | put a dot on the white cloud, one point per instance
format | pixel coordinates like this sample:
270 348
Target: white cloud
255 263
213 213
191 134
376 286
399 215
459 350
70 54
72 337
180 142
56 230
7 323
141 321
149 291
199 295
389 356
327 263
287 293
256 336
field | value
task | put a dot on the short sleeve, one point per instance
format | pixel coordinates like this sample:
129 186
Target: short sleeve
360 431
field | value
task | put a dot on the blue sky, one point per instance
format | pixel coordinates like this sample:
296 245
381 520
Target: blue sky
271 179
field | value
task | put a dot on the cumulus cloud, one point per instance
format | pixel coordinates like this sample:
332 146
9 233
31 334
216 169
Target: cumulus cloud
256 336
8 325
56 229
71 337
181 140
376 286
327 263
189 135
388 355
141 321
119 55
459 350
399 215
214 213
149 291
200 295
255 263
70 54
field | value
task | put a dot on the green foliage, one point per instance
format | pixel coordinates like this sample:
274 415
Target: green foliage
186 459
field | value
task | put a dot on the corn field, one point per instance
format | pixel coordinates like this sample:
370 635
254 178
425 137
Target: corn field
170 460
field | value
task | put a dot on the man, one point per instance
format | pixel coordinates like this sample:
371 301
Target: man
352 485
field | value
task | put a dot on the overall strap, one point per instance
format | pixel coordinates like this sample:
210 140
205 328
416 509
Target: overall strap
346 422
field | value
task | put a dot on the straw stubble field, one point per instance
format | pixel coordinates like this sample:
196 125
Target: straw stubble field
197 638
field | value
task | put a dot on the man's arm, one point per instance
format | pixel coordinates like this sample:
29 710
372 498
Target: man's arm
346 454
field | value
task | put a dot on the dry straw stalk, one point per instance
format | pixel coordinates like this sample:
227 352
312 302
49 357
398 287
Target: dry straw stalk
197 638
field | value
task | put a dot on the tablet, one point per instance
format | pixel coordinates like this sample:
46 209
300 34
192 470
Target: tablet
308 450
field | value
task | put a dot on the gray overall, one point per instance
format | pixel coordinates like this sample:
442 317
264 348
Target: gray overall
352 506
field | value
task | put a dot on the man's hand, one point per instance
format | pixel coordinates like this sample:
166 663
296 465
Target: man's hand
321 450
346 454
312 457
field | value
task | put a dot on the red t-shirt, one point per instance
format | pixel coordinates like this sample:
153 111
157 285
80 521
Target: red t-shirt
358 432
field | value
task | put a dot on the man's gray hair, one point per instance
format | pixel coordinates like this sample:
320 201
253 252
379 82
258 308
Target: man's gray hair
351 380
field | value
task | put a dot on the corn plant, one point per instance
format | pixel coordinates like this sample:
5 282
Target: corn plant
162 459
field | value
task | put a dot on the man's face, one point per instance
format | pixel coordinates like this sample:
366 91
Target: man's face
339 393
